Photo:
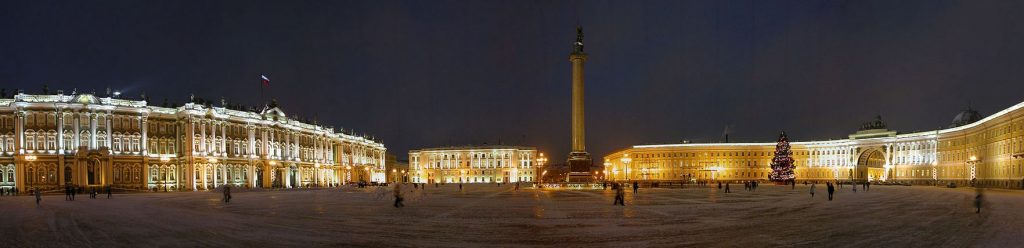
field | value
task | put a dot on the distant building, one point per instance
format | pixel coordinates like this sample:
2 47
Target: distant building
474 164
396 170
986 151
49 141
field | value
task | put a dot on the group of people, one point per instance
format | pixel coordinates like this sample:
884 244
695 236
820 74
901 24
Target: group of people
8 191
70 191
750 186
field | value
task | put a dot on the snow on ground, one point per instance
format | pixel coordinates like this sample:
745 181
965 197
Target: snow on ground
488 215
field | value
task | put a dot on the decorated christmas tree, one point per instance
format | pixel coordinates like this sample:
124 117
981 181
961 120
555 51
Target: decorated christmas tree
782 163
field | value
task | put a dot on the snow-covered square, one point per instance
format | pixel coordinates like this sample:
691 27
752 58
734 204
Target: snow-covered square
492 215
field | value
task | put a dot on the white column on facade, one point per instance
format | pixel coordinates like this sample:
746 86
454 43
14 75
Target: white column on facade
110 135
223 138
145 136
202 138
224 173
19 123
204 175
251 147
213 149
77 129
214 169
60 135
92 130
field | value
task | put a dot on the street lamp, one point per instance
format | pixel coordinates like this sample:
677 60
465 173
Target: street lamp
541 160
607 163
973 162
625 162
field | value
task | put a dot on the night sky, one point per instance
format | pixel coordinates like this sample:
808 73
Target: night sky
419 74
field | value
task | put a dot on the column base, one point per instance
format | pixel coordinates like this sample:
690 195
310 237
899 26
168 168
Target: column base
580 165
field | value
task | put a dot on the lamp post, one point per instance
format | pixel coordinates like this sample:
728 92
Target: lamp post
973 162
541 160
625 162
607 163
348 174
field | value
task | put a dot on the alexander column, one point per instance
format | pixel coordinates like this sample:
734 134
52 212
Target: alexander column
579 160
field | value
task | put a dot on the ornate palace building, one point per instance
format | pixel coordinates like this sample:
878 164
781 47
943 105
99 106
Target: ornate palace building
478 164
47 141
988 151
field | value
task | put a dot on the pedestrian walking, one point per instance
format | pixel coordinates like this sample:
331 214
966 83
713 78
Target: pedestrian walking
977 200
864 186
867 186
109 191
227 194
812 190
719 185
620 195
636 186
398 196
67 192
854 184
793 182
727 188
831 190
39 196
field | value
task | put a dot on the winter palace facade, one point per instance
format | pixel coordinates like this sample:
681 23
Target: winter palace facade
986 151
48 141
477 164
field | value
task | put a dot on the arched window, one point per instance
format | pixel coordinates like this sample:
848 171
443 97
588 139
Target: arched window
51 141
30 140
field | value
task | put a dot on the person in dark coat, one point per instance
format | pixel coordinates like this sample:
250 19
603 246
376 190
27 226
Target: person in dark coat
398 196
109 191
977 200
620 194
831 190
636 186
39 196
227 194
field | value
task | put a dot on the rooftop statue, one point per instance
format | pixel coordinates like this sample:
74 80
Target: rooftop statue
578 46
